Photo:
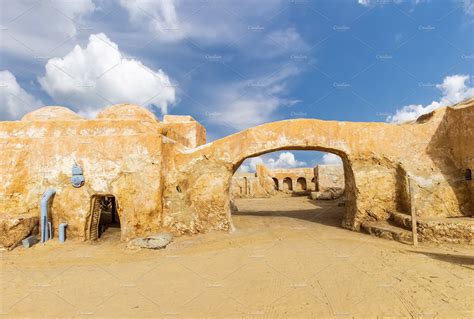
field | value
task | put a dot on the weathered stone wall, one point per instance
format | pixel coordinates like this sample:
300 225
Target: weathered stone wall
329 176
184 129
161 183
292 175
460 130
121 157
271 182
378 159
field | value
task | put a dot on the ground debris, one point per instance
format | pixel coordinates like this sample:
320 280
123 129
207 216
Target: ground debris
157 241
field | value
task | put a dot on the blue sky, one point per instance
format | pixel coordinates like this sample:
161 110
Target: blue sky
236 64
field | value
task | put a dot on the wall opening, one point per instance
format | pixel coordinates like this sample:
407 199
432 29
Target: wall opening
293 189
287 184
104 220
275 183
301 184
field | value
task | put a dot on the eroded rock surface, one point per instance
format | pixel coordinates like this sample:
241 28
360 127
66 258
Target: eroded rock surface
165 178
14 228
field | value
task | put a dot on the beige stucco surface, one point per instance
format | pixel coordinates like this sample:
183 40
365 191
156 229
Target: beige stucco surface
164 177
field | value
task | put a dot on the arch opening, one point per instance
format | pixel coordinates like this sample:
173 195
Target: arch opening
287 184
301 184
335 186
275 182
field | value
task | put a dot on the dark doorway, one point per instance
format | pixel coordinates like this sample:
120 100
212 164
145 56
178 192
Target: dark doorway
275 183
104 217
301 184
287 184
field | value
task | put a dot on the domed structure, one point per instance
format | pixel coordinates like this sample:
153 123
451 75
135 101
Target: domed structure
126 112
51 113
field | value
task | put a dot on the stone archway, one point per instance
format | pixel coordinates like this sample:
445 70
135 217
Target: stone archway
301 184
287 184
369 153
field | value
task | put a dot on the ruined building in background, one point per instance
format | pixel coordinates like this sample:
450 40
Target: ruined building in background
265 182
161 176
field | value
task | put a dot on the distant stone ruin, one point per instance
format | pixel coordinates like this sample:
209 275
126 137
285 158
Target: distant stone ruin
163 177
265 182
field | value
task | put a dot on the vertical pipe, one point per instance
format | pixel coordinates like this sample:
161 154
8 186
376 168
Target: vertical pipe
414 231
44 206
62 232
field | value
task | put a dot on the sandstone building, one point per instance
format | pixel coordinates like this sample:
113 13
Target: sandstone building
162 176
291 181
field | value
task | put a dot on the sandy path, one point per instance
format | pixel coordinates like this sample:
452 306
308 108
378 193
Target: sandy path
287 258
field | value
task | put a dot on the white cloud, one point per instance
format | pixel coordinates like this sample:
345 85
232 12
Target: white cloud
87 79
159 16
248 103
454 90
365 3
286 40
330 158
41 28
468 5
283 160
207 21
14 100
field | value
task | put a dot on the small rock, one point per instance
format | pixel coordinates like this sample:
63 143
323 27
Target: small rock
157 241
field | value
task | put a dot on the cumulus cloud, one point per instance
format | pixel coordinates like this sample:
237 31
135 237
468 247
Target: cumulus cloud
454 89
248 103
41 28
14 100
87 79
283 160
330 158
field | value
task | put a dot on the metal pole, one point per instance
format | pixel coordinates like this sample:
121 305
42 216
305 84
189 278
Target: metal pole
414 232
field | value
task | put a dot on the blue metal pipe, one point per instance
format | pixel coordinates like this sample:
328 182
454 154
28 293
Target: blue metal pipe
46 230
62 232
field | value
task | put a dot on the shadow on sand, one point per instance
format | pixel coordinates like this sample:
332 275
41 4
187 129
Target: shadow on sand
325 214
453 259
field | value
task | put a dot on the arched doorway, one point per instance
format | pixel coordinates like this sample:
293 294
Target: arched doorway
221 159
294 203
296 187
301 184
287 184
275 184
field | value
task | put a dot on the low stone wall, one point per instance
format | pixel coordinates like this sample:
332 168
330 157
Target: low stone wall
279 182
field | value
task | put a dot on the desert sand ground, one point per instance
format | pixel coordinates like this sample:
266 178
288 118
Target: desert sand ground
288 257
